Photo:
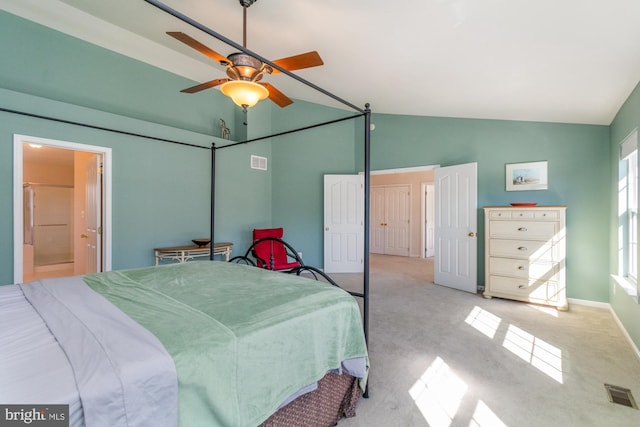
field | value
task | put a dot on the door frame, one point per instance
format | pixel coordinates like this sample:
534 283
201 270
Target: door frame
425 168
426 211
18 142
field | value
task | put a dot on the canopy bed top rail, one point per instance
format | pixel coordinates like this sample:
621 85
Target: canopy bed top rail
287 132
102 128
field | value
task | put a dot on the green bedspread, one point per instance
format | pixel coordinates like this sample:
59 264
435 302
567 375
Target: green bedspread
242 339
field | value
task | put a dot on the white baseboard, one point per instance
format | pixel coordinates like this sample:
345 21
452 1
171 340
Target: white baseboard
589 303
615 317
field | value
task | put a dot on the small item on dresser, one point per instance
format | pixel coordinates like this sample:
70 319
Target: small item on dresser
524 204
201 242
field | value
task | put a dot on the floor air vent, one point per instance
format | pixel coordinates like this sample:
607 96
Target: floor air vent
620 395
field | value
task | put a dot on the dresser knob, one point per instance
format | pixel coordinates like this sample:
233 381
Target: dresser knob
522 229
521 267
522 248
522 286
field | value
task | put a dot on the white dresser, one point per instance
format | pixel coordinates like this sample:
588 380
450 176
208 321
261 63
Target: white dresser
525 254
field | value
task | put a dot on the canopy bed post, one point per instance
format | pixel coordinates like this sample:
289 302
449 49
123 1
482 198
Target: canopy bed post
367 184
213 199
367 209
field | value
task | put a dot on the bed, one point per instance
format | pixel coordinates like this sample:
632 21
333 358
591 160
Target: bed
199 343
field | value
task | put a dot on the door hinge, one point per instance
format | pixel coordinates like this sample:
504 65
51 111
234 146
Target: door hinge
99 230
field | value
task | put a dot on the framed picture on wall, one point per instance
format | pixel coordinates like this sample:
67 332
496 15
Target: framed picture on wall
526 176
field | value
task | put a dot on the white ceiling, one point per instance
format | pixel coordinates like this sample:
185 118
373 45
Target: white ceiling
573 61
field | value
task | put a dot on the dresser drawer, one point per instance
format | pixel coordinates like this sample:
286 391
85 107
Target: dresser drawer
532 250
549 215
522 214
512 214
525 230
522 268
537 290
500 214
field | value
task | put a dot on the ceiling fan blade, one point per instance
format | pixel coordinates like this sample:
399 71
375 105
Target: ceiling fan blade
195 44
205 85
298 62
276 96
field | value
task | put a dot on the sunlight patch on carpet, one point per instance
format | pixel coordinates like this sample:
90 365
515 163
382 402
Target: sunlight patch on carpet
438 394
484 321
483 416
539 353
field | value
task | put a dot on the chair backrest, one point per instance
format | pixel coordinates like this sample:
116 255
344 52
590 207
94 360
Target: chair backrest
263 250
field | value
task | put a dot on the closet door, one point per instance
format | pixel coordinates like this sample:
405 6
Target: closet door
390 220
398 204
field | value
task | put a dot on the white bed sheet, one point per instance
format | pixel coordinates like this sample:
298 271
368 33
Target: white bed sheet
33 367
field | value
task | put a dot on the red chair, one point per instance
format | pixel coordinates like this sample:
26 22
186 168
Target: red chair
270 251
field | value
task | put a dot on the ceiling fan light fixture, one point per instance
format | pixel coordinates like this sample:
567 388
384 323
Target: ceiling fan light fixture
244 93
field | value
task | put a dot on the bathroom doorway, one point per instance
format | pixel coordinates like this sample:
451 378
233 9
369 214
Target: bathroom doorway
61 210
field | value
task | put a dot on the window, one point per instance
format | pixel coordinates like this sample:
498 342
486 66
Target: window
628 210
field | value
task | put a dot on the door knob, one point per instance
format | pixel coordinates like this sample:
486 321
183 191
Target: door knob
472 234
84 236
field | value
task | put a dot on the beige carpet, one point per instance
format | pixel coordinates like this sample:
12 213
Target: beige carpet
442 357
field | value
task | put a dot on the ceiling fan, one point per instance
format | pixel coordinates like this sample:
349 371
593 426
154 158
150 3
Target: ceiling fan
244 85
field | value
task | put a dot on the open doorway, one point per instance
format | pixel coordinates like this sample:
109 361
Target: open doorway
398 224
62 211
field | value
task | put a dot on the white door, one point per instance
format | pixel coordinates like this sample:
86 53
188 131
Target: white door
456 248
428 242
390 220
93 216
397 222
343 223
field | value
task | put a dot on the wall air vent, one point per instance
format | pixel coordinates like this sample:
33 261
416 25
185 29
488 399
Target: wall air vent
620 395
258 162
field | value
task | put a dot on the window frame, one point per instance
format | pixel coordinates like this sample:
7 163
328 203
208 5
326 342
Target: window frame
628 201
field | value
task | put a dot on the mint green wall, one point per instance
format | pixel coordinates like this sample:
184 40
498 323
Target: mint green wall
625 307
300 160
578 174
160 190
54 65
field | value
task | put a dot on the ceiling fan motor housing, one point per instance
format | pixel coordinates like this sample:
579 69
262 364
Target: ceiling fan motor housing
244 67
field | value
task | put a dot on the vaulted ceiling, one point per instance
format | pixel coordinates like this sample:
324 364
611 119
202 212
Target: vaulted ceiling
572 61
